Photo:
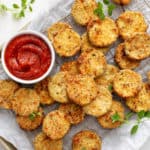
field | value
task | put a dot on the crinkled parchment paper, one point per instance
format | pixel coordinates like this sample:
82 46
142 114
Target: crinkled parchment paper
117 139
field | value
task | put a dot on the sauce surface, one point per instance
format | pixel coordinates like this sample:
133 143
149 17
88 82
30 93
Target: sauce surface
27 57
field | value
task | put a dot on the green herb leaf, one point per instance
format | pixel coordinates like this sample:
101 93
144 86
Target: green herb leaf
134 129
83 148
99 11
30 8
32 116
23 3
110 88
32 1
115 117
111 7
147 114
3 8
141 114
128 115
16 6
106 2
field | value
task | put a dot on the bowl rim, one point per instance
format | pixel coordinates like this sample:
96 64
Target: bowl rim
43 37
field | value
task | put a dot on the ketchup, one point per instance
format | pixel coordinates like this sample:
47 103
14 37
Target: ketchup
27 57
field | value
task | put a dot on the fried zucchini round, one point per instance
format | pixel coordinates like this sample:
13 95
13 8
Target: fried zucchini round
56 29
86 139
101 105
7 90
71 67
32 121
57 87
25 101
92 63
86 46
106 120
42 142
42 90
131 22
67 43
55 125
141 101
83 11
81 89
73 113
127 83
102 33
108 76
138 47
124 61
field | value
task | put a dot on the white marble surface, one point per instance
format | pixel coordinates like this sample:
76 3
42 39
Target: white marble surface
9 26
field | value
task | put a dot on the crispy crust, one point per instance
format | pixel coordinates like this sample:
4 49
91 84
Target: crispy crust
81 89
82 11
107 78
127 83
42 90
73 113
102 33
106 122
42 142
86 139
25 101
55 125
122 60
141 101
138 47
27 124
71 67
131 22
56 29
92 63
7 90
57 87
101 105
86 46
148 75
67 43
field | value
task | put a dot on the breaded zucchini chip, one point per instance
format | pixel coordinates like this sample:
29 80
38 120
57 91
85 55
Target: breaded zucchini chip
57 87
123 61
7 90
107 78
83 11
25 101
127 83
86 46
131 22
101 105
42 90
67 43
86 139
138 47
55 125
106 120
92 63
71 67
42 142
81 89
102 33
73 113
31 122
56 29
141 101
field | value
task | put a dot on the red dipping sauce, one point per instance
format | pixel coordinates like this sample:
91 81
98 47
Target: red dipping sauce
27 57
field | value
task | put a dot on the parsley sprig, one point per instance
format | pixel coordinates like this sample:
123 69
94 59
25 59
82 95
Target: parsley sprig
99 11
33 115
140 115
18 10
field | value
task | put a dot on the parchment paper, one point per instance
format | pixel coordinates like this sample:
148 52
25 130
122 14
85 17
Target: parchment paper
117 139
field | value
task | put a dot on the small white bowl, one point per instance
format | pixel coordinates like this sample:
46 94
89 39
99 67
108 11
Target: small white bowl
22 81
